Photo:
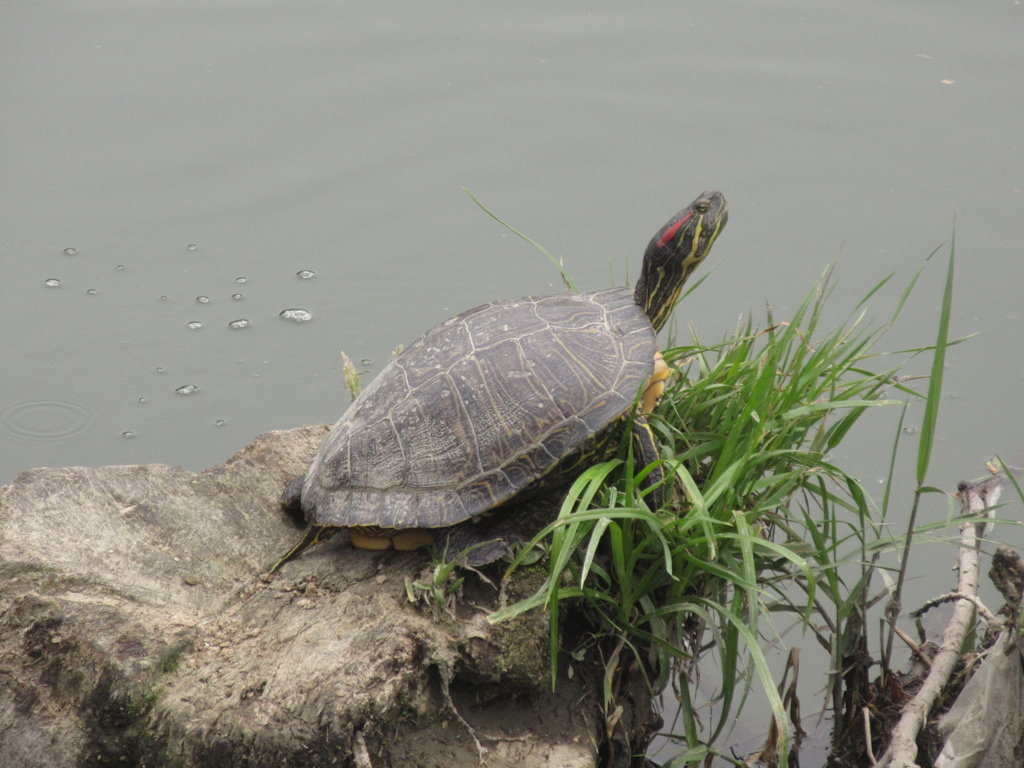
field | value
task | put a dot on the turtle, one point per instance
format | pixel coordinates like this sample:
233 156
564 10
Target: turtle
499 402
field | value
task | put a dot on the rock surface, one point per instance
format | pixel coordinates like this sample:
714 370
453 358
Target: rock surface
135 629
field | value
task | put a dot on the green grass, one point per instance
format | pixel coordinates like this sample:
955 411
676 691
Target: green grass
760 522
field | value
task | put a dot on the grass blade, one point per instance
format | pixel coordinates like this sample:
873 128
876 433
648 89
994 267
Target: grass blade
931 408
566 279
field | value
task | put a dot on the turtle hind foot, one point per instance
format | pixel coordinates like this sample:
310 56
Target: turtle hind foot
474 543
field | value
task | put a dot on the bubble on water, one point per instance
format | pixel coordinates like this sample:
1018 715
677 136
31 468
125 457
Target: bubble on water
160 369
240 323
296 315
128 434
70 251
910 430
187 389
305 274
366 361
91 291
142 401
195 325
191 246
239 279
163 298
219 423
202 299
237 296
120 267
53 282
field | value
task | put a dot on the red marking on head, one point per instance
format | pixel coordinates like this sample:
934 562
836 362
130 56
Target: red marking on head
670 233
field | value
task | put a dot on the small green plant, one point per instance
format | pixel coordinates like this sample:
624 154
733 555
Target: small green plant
353 377
439 586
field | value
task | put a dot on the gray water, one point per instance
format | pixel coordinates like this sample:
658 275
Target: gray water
157 153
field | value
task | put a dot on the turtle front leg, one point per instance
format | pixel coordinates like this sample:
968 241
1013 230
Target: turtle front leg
646 450
645 446
656 384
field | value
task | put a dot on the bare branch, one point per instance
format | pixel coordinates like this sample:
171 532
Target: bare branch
902 750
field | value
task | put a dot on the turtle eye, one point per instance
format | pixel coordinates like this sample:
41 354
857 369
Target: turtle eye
703 206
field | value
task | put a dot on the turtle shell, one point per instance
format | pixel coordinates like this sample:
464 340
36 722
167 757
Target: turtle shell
487 405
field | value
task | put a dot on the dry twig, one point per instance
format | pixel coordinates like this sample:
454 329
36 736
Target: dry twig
902 750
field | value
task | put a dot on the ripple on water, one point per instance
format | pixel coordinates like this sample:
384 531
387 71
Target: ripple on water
45 419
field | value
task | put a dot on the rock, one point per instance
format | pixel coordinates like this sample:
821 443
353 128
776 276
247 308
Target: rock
135 629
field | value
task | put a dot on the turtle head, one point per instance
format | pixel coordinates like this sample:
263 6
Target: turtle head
678 249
